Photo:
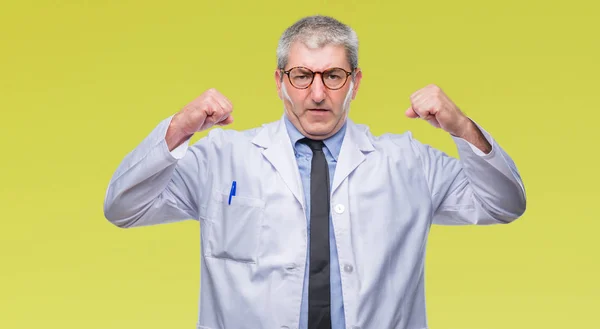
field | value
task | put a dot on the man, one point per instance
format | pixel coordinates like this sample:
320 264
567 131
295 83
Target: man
311 221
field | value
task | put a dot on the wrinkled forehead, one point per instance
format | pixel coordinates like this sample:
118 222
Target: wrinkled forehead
317 57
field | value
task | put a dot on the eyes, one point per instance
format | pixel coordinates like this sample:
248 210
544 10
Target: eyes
333 78
303 74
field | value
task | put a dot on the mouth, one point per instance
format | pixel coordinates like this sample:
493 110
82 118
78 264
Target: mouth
318 110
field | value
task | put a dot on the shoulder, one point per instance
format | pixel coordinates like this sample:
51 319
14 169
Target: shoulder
400 148
387 142
222 137
228 136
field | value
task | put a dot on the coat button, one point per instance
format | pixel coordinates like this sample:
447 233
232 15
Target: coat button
339 208
348 268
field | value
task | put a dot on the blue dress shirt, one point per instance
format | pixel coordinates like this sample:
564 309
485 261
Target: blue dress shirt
303 154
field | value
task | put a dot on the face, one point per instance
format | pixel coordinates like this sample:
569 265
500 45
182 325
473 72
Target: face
317 112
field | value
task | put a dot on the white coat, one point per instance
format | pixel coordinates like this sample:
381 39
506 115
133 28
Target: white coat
387 191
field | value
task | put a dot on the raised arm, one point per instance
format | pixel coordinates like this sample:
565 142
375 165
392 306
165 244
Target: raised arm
483 186
161 180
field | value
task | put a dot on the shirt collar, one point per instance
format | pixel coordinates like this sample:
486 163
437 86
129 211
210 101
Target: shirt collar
333 143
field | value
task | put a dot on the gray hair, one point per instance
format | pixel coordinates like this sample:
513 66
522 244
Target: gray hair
316 32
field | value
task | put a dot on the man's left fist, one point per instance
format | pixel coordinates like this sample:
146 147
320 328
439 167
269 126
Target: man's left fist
432 105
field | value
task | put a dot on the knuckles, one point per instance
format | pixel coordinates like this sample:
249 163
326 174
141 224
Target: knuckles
434 88
431 90
429 99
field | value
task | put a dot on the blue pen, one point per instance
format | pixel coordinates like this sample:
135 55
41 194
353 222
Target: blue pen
232 192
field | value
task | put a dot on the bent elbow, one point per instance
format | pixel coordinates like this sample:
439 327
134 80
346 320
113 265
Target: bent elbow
115 216
515 211
520 208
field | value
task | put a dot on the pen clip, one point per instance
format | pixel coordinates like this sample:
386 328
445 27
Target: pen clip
232 192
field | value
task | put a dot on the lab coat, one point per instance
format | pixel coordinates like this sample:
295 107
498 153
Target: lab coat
386 193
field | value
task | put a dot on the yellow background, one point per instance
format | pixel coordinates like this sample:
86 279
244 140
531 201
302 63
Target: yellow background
83 82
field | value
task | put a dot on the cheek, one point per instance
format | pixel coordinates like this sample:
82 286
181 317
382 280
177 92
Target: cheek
348 97
288 98
284 93
343 100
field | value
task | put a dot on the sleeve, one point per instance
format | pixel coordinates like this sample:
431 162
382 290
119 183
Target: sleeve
477 188
153 185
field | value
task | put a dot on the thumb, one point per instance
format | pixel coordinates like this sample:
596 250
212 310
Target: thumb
411 113
227 121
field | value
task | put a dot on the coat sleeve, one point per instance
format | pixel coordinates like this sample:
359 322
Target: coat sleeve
153 185
477 188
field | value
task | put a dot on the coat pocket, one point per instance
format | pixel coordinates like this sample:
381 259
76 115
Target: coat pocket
234 228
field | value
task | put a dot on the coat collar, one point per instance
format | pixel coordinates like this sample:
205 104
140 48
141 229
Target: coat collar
278 150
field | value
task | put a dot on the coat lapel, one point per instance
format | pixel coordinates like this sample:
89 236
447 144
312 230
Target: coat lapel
352 154
277 149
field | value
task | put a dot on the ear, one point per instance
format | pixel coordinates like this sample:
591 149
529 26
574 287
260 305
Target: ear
278 82
357 78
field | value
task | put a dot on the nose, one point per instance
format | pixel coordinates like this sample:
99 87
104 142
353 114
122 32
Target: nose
317 90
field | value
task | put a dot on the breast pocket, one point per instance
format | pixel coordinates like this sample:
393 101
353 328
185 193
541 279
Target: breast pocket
234 228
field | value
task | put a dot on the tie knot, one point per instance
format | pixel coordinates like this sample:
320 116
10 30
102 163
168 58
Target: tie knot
313 144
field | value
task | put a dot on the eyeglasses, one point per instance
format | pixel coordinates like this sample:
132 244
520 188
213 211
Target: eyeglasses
333 78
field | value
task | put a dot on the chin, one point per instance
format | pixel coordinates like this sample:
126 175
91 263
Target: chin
319 129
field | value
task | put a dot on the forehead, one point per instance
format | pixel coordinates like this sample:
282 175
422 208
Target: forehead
317 59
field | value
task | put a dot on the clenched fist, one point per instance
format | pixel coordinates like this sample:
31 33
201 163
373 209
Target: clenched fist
209 109
432 104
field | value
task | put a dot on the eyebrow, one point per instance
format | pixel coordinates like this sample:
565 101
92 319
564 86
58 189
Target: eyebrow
326 68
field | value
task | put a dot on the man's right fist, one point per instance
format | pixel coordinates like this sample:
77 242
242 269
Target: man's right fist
209 109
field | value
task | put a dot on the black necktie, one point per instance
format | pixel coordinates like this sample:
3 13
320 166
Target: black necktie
319 295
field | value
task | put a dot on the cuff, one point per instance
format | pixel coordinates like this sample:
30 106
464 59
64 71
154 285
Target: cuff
178 152
464 145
